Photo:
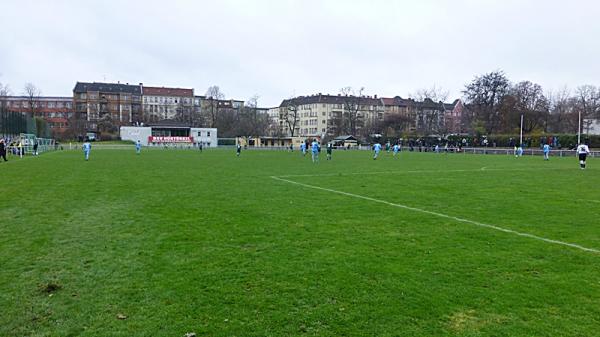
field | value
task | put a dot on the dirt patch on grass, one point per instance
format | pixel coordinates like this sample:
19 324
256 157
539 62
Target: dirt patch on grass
50 287
470 320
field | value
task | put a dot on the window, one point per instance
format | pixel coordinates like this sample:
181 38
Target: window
199 133
207 133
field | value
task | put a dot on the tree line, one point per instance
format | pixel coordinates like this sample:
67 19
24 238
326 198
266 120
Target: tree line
494 105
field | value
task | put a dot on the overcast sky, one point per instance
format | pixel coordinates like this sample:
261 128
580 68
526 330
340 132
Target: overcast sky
280 48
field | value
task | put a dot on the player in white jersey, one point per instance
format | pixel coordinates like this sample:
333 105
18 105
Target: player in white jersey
582 151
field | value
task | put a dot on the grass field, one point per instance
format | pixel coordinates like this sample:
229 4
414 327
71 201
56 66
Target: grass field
182 241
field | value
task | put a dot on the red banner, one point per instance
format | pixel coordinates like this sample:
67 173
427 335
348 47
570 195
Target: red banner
153 139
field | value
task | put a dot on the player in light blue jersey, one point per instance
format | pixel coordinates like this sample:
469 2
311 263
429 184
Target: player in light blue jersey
546 152
315 151
87 147
377 149
395 149
519 152
303 148
138 147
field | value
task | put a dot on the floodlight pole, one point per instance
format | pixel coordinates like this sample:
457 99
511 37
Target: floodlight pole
521 137
579 128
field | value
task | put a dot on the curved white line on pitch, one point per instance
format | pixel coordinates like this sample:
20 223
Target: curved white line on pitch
441 215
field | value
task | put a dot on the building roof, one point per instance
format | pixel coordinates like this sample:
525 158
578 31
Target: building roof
347 137
396 101
329 99
162 91
82 87
169 124
39 98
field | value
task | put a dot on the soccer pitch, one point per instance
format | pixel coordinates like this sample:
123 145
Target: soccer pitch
270 244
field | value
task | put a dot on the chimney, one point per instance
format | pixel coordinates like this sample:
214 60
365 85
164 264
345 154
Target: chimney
375 96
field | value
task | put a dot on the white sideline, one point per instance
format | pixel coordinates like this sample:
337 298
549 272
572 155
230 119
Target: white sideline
415 209
416 171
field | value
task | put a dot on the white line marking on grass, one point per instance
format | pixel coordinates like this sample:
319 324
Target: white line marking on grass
441 215
485 169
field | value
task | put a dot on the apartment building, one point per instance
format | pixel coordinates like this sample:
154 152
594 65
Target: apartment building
121 104
328 115
55 110
161 103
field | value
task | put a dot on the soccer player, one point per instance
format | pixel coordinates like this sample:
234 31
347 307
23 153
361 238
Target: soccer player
238 150
377 149
138 147
546 152
582 151
329 150
2 150
315 151
395 149
303 148
519 151
87 147
387 147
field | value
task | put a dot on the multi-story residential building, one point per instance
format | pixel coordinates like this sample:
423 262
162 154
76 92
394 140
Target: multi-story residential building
161 103
438 117
397 106
274 125
114 103
56 111
328 115
454 117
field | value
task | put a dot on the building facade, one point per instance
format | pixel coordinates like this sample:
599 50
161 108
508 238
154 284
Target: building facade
167 103
170 134
103 107
55 110
328 115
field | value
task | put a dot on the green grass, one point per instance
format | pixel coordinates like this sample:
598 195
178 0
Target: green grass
182 241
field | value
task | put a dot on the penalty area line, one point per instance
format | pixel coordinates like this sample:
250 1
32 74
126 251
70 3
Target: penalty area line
441 215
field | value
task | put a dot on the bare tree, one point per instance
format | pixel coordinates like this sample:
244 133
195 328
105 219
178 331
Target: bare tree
529 100
588 104
351 117
429 109
252 121
562 111
213 96
290 114
4 93
33 94
434 93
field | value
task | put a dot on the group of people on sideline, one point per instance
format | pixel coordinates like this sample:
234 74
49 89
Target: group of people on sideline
16 148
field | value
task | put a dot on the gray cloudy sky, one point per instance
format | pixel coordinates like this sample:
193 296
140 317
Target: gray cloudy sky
281 48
